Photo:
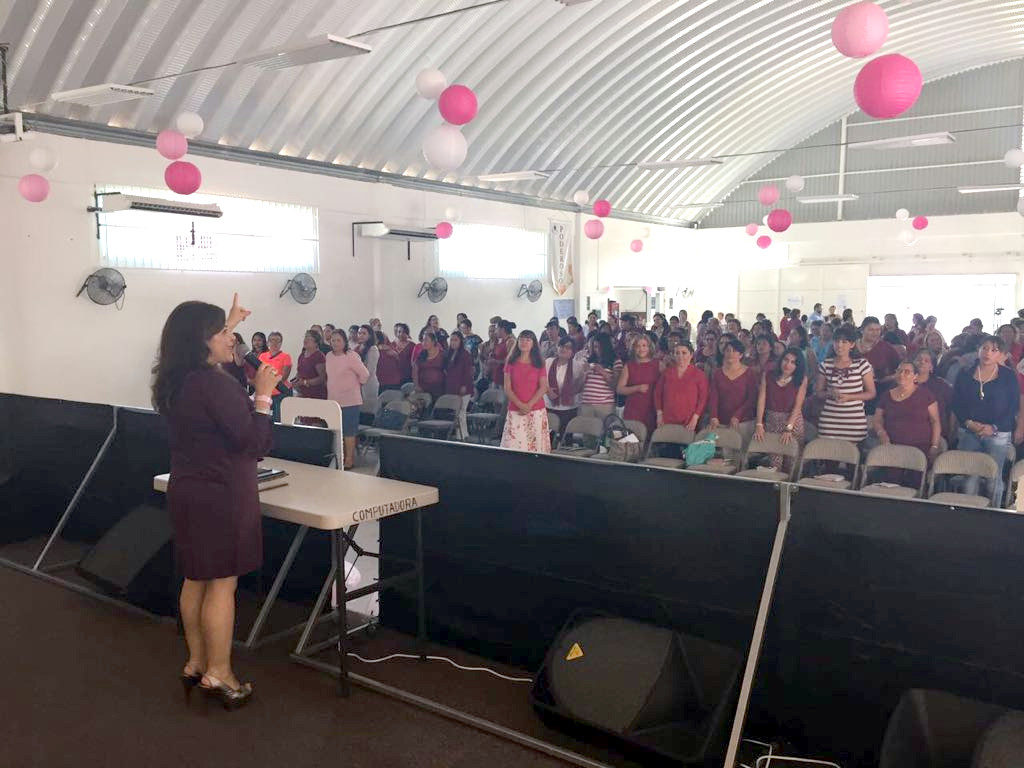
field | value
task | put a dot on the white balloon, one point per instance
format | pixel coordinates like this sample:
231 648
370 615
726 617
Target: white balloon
581 197
452 214
42 159
1014 158
907 236
190 124
1020 206
645 233
445 148
902 214
795 183
430 83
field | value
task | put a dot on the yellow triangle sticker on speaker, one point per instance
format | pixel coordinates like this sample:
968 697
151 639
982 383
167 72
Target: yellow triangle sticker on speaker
574 653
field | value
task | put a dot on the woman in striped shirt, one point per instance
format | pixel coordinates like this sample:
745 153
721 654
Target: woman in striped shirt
597 397
845 384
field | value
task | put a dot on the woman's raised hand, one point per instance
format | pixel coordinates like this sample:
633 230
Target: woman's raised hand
237 314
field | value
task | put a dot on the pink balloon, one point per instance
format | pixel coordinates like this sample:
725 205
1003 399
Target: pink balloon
182 177
636 246
888 86
768 194
602 208
920 222
171 144
860 29
458 104
593 229
751 229
443 230
33 188
764 241
779 220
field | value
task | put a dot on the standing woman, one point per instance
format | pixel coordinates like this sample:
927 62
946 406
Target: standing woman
458 375
216 439
733 394
682 391
370 356
844 384
637 381
565 375
526 426
597 394
280 361
780 401
403 346
345 376
500 352
428 368
924 362
259 343
311 380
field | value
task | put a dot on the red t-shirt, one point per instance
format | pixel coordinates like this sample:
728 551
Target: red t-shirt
526 381
679 398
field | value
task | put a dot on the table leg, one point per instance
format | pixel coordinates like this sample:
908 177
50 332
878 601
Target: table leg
282 573
421 610
338 547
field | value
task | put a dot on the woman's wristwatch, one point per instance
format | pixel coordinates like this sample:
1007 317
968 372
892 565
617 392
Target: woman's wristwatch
789 427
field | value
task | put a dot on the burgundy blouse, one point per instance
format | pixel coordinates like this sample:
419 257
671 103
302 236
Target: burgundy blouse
907 421
430 375
458 375
779 399
306 369
733 398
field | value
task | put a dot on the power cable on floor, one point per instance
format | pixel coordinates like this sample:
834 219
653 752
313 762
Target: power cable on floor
442 658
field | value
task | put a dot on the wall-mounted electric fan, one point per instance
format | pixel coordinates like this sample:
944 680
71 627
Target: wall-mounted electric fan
435 290
302 287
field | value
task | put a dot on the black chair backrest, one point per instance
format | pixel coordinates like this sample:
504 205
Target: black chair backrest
309 445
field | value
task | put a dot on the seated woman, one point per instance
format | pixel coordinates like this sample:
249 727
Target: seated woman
428 368
681 393
733 394
986 400
600 376
637 382
844 384
526 425
780 401
907 414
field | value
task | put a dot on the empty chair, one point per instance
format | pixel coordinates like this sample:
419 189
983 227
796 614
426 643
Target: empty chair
408 388
675 437
890 456
728 452
444 420
1016 473
387 396
582 437
772 445
394 419
486 422
970 463
639 429
420 402
830 449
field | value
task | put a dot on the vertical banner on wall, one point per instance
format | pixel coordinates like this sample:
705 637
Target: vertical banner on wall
560 254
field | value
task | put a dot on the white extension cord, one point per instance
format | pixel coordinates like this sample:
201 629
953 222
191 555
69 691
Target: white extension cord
442 658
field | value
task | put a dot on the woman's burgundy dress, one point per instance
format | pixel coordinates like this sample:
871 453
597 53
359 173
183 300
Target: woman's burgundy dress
216 439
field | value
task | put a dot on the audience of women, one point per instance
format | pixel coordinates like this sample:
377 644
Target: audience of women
780 401
428 367
526 424
681 393
346 375
845 384
601 376
637 381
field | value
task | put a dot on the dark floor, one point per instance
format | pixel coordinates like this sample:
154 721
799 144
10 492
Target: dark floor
87 684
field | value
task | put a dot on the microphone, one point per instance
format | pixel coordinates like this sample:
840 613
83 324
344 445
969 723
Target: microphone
283 387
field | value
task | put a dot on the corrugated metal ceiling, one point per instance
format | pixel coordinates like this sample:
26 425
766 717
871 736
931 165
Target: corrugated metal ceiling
585 89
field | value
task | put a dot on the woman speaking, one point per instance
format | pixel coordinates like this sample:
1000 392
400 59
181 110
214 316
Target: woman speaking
216 438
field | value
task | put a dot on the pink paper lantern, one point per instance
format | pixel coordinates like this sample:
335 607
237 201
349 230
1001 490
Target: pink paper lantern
888 86
636 246
171 144
920 222
594 229
751 229
763 241
779 220
182 177
768 194
33 188
443 230
602 208
458 104
860 29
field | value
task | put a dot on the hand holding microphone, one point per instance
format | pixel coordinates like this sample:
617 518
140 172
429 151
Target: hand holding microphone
266 380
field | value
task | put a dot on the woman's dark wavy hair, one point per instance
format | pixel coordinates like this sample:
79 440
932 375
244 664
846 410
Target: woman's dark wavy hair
262 337
606 353
371 341
535 359
183 349
449 358
801 365
730 341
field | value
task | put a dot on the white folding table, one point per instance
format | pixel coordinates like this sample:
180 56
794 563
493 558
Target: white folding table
337 502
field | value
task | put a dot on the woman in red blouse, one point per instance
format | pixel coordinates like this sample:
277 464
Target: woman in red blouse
310 380
458 375
907 414
428 368
526 426
637 381
734 387
682 391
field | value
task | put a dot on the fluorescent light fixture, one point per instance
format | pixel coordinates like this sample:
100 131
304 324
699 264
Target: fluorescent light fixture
906 142
99 95
513 176
708 206
992 188
827 199
323 48
673 164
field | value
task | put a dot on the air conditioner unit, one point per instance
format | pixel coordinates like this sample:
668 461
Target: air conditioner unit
115 201
394 232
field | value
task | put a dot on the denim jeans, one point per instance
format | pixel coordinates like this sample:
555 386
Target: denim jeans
997 446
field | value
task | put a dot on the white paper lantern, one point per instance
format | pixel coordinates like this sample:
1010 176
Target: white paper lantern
451 213
430 83
908 237
902 214
795 183
581 197
645 232
42 159
445 148
1014 158
190 124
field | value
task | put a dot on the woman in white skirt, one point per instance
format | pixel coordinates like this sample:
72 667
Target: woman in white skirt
526 383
